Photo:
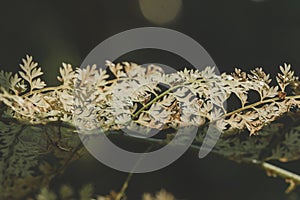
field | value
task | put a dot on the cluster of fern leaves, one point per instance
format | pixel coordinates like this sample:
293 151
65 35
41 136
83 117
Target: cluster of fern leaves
127 96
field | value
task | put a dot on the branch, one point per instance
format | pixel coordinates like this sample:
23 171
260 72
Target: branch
292 178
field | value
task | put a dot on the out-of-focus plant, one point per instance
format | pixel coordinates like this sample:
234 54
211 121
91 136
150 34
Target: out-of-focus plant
87 193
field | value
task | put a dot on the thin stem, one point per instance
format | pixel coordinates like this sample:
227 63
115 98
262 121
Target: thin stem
257 104
154 100
48 89
125 185
272 170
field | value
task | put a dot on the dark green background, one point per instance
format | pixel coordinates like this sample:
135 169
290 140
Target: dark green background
236 33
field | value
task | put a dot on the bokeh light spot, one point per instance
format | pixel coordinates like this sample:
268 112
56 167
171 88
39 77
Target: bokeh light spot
160 12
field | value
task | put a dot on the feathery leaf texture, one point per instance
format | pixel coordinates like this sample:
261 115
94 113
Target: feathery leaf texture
36 120
147 97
